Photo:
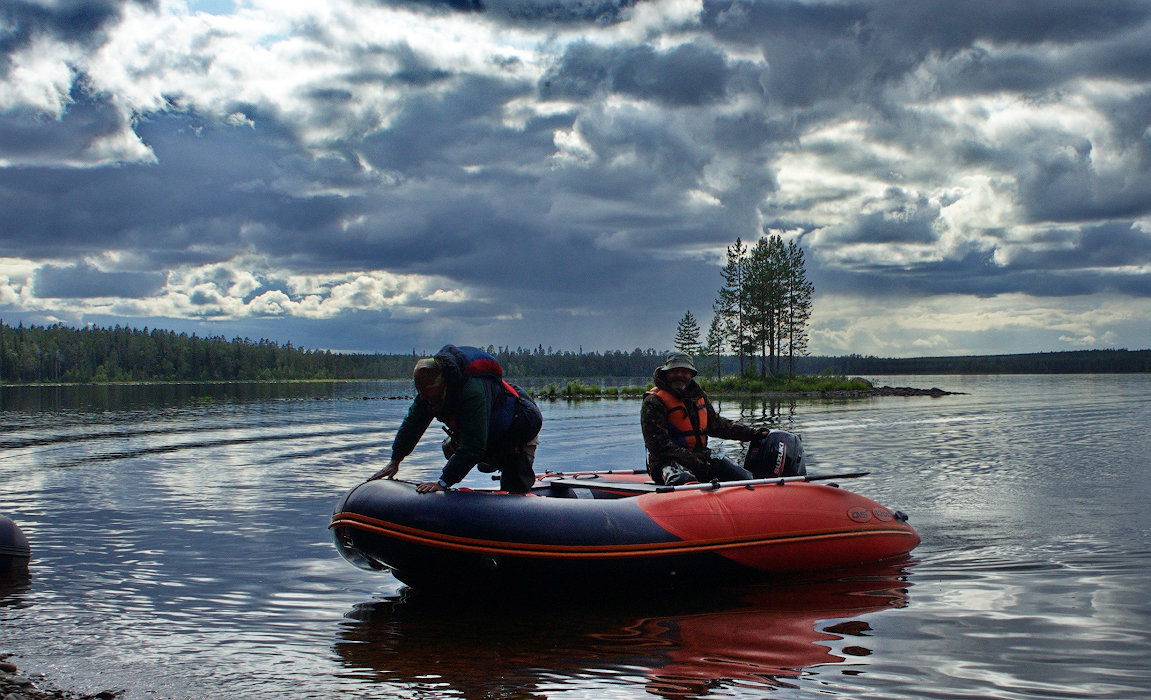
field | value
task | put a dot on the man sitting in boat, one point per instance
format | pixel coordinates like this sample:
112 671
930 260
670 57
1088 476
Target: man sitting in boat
491 422
677 419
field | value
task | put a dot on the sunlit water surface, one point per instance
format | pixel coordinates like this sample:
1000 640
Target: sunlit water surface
181 550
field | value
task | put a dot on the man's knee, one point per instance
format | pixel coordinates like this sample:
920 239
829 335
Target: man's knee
676 475
724 469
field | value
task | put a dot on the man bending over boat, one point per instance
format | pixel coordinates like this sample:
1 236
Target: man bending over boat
677 419
489 421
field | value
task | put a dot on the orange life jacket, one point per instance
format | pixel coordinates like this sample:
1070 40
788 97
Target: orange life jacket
683 431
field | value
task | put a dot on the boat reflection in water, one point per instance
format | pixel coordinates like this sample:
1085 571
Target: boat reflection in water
680 644
14 585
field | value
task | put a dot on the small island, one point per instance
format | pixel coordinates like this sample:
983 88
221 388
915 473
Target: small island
783 387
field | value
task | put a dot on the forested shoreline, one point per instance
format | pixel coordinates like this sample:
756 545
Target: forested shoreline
1111 361
58 353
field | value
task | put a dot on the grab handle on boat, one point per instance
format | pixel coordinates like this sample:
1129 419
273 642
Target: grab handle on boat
754 482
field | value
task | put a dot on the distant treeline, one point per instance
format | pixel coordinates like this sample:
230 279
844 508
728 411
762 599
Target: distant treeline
63 354
1069 362
60 353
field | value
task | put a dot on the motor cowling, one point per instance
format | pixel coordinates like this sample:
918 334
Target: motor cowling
779 453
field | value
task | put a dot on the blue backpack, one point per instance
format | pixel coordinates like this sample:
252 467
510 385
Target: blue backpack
518 418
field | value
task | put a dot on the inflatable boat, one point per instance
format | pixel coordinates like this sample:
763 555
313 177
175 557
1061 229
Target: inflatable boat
597 528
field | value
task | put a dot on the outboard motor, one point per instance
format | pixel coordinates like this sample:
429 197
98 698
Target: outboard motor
778 454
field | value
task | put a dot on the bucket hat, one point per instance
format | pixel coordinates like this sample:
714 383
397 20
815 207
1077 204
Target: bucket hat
677 360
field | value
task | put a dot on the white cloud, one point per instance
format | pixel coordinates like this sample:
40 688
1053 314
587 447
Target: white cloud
245 287
40 78
960 324
572 148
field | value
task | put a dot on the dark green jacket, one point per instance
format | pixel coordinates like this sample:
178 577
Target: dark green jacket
467 412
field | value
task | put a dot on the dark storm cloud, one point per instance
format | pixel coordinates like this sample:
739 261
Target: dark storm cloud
1060 183
543 11
947 25
1031 73
206 183
1126 55
970 273
415 70
899 217
978 71
409 67
686 75
666 161
1110 246
928 24
85 280
1096 259
851 51
32 139
76 21
437 133
973 273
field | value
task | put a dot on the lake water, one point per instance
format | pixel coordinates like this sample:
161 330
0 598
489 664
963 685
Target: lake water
181 550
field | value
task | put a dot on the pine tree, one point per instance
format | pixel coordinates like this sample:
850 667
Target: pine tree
716 343
731 305
798 291
764 284
765 303
687 335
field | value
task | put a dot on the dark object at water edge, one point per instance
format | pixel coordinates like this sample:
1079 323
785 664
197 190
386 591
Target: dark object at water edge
14 548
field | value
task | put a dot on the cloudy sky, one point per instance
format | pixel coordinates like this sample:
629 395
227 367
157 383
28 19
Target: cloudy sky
375 175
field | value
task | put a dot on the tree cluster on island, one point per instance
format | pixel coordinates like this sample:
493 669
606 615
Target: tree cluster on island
760 314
